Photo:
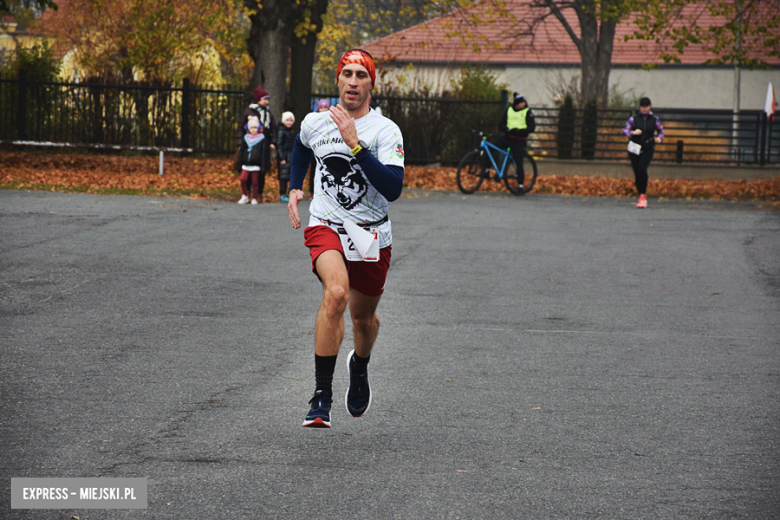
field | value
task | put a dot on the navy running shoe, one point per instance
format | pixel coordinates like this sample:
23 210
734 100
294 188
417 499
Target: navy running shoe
358 397
319 415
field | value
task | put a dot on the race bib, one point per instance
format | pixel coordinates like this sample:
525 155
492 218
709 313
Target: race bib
634 148
359 245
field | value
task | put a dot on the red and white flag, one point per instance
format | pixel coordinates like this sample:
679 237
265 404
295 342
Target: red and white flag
769 106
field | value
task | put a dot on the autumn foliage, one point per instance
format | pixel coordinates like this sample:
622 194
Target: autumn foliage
214 178
126 39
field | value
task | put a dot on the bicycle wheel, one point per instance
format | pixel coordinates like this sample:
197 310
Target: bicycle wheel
470 172
511 178
521 182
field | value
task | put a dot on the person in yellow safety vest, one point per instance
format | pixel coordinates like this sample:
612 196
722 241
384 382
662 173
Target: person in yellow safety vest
516 123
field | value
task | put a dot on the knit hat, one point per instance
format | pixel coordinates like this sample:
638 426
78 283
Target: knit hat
645 102
287 115
518 99
323 103
252 121
260 94
360 57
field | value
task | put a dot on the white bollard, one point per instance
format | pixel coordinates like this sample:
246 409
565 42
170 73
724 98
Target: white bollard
161 163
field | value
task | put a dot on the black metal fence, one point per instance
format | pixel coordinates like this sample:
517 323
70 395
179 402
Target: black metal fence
435 130
183 117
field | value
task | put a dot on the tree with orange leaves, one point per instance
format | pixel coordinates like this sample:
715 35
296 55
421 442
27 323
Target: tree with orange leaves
126 40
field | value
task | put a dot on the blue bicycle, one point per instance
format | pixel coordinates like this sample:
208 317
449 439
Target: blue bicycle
475 168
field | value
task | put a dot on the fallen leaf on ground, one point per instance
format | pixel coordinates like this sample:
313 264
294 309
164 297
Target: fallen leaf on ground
214 179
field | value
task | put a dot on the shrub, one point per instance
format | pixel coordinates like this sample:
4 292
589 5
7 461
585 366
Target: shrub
41 101
435 115
565 139
590 129
38 61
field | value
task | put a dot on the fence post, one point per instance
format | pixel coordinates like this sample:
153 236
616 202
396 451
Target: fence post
504 101
680 145
762 160
769 141
185 113
21 113
758 138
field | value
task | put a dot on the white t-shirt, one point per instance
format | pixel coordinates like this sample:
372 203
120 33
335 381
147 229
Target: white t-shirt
341 189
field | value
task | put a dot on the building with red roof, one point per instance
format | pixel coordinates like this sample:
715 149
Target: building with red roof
541 63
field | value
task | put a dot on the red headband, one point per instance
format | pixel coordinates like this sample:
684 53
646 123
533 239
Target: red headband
361 58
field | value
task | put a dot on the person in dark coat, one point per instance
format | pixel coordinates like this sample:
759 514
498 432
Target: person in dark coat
641 129
285 136
259 109
517 123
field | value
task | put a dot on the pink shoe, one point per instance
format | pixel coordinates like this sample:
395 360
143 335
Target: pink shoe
642 202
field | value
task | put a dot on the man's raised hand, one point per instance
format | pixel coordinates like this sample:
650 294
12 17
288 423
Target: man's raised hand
346 125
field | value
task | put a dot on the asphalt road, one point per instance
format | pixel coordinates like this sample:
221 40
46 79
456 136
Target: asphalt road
539 357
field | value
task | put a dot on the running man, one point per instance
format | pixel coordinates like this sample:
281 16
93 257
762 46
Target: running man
360 170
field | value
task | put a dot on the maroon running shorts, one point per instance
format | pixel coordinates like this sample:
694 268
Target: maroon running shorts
366 277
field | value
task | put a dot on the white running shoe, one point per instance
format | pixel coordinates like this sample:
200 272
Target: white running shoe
254 201
243 200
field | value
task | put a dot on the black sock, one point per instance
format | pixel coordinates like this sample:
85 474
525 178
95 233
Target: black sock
324 366
359 364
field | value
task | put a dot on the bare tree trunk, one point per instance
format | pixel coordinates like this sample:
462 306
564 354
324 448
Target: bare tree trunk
596 55
269 45
606 44
594 43
302 62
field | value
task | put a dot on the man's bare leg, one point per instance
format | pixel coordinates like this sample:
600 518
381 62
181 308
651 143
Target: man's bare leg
329 328
365 322
365 327
328 333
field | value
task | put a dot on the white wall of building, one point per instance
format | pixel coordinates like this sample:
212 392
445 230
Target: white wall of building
701 87
670 87
540 85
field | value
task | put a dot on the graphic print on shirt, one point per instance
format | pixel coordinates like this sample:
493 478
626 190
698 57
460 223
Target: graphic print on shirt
342 189
340 179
